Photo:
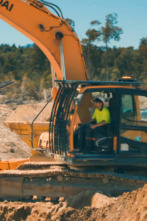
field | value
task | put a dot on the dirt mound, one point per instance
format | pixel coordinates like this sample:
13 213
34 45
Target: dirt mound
128 207
91 199
11 146
29 111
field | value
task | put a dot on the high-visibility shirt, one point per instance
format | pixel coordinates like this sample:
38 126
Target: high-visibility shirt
99 116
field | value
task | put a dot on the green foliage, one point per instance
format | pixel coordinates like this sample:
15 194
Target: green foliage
110 30
120 62
71 23
105 34
105 63
25 63
29 67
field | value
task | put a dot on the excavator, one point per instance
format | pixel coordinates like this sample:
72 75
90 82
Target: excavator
112 162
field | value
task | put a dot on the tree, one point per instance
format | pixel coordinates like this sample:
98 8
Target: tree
110 31
71 23
94 34
143 46
143 57
36 65
105 33
90 49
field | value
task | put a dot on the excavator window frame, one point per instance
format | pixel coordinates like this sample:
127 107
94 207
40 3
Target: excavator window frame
134 146
61 103
112 128
117 95
59 120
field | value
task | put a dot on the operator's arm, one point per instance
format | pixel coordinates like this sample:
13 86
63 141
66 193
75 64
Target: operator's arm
93 121
93 126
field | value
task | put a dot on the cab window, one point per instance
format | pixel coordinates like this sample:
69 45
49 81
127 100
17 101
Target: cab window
134 118
134 110
128 108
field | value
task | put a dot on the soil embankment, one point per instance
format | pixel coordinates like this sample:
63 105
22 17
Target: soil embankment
11 146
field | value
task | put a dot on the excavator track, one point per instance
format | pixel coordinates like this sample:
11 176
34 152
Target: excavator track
56 180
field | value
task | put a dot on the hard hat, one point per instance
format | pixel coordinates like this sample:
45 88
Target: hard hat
99 99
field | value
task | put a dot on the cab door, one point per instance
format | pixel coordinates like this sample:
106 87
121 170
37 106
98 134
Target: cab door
133 123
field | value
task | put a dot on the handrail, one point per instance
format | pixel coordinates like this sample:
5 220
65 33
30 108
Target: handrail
35 119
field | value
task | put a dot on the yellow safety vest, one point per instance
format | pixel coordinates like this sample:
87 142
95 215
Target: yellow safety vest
99 116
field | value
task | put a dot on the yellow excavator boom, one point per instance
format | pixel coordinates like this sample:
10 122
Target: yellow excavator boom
51 33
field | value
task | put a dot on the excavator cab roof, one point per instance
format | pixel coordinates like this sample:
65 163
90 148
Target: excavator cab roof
122 82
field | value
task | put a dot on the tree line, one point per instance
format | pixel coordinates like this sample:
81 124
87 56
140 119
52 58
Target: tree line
30 68
120 61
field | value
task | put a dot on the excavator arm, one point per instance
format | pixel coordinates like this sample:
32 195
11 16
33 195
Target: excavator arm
51 33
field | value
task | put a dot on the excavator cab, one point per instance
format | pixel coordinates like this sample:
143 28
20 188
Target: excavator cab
124 140
96 141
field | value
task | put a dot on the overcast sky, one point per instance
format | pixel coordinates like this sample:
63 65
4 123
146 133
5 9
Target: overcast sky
132 18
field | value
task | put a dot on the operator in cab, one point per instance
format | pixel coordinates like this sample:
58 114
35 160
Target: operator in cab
97 127
101 115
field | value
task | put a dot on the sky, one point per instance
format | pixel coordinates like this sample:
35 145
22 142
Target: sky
132 18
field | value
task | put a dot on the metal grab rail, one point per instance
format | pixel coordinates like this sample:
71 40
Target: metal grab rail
32 134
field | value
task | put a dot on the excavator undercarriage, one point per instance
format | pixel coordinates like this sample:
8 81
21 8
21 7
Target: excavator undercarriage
54 180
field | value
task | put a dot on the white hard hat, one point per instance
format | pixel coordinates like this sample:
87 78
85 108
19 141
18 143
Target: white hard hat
99 98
